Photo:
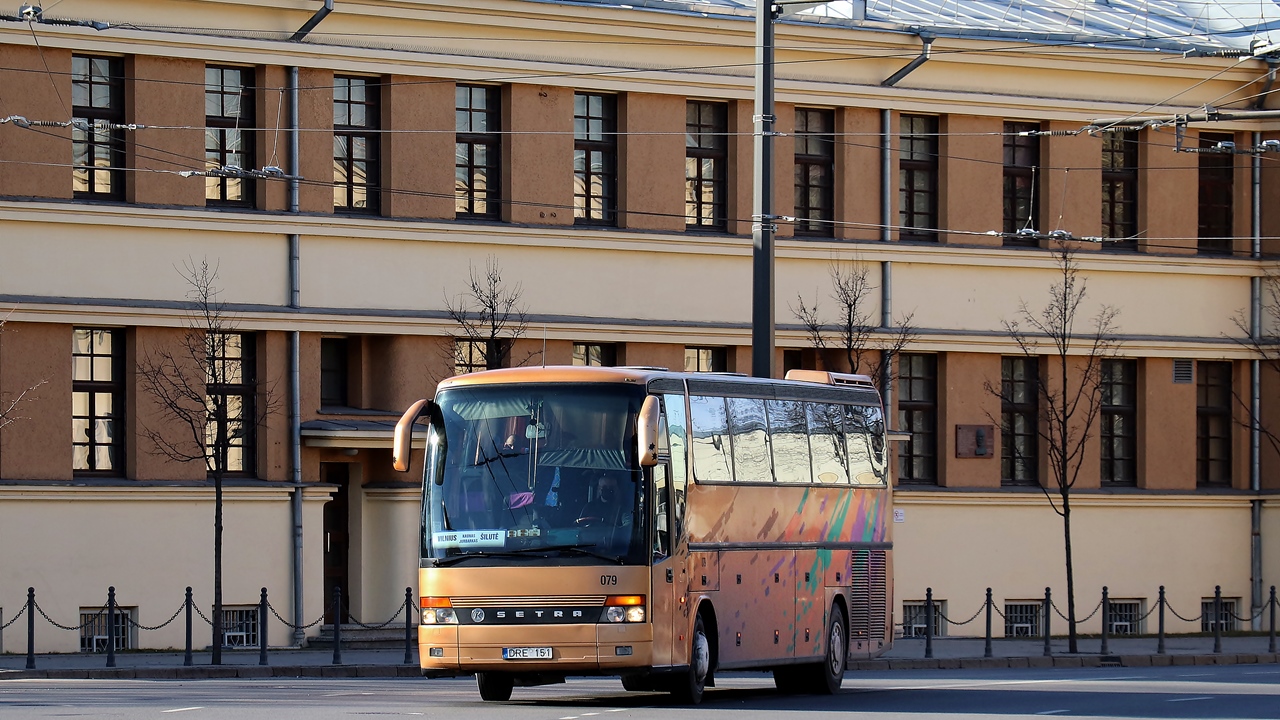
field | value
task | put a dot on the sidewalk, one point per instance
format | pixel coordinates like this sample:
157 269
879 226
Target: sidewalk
907 654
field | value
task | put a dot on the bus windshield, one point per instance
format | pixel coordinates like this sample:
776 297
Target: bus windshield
535 474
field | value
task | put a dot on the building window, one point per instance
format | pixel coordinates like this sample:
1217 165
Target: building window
705 157
240 627
1120 188
97 150
1217 192
95 629
1119 387
478 149
595 159
1022 619
469 356
815 170
918 178
1226 620
918 415
1213 424
333 372
228 135
355 145
1021 174
704 359
229 398
599 355
1125 617
97 401
915 618
1019 421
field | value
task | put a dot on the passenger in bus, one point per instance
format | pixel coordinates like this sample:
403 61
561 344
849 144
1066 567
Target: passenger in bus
609 505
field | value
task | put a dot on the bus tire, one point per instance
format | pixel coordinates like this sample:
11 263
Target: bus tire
495 687
837 656
689 686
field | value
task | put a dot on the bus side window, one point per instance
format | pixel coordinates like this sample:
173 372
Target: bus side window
662 494
711 444
677 432
788 436
751 461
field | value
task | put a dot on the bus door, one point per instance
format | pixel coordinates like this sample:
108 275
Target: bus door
662 605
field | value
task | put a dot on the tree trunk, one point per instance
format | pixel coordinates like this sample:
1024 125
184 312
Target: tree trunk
217 567
1071 578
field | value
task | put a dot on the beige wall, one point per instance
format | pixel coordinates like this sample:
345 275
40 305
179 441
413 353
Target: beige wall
35 159
651 152
541 192
167 92
35 373
420 116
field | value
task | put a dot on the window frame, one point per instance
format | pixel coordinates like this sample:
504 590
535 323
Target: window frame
715 356
1021 182
1120 189
467 197
815 171
706 160
595 134
1210 417
246 389
110 141
907 404
607 353
917 158
1110 411
341 351
1030 412
91 388
1215 178
217 128
475 360
345 137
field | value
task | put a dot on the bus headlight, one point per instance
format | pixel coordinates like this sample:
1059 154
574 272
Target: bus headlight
437 611
624 608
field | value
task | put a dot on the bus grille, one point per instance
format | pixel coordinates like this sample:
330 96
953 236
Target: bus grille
534 601
869 594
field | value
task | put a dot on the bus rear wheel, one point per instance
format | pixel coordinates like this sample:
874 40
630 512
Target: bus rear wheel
495 687
689 686
837 657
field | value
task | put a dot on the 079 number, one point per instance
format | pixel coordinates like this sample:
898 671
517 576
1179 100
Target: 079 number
608 579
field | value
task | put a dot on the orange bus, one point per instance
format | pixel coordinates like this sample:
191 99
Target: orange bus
653 525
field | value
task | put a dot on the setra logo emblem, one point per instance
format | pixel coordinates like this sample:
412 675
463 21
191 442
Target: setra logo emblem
477 615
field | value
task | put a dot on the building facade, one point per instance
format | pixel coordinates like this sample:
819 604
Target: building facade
602 164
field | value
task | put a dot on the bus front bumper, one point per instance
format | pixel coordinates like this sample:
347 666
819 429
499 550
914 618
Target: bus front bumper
587 648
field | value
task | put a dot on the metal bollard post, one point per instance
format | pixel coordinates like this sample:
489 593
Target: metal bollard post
1048 607
986 652
928 623
408 626
1160 642
31 628
337 624
1217 619
1271 644
262 628
111 626
186 658
1106 620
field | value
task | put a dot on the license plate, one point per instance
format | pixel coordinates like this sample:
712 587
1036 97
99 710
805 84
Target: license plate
526 653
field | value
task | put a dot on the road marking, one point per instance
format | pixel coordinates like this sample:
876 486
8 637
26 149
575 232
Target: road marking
589 714
1195 674
615 710
182 709
1202 697
1052 712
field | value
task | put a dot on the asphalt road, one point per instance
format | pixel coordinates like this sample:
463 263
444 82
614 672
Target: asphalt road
1237 691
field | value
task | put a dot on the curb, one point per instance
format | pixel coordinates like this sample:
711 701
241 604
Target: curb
1058 661
221 672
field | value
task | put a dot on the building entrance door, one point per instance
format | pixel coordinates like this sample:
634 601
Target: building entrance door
337 540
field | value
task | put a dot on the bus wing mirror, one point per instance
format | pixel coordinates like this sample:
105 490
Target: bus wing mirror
402 443
647 431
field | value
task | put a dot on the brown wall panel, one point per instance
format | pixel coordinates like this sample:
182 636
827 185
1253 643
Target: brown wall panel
971 178
406 368
309 382
741 151
1270 421
315 141
21 71
35 359
148 348
1073 190
1270 204
271 144
857 181
539 154
413 161
663 355
1090 467
963 400
1168 194
164 91
1242 386
784 168
651 157
273 405
1166 428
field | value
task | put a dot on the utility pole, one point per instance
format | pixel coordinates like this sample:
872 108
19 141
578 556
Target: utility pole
763 221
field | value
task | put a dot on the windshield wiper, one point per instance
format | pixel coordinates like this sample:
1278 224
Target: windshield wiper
520 552
582 550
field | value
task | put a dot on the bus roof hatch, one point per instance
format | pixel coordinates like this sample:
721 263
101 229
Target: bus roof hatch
830 378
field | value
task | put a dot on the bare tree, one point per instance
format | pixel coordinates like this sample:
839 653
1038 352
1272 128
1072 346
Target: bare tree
1068 398
195 421
855 337
10 404
490 318
1263 342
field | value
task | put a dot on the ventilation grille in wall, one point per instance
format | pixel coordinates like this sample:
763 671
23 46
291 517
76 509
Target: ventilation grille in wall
1184 372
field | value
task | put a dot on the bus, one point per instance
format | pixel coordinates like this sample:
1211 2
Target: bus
654 525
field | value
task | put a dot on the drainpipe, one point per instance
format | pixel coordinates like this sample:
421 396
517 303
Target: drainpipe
295 380
1255 391
311 24
886 267
927 40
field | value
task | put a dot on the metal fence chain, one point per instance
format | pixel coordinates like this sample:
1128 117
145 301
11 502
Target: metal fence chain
998 610
129 619
1197 618
1249 618
1147 614
308 626
74 628
378 626
1078 620
206 620
14 619
949 621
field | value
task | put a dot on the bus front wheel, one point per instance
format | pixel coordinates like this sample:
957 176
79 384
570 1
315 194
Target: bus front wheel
495 687
689 686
